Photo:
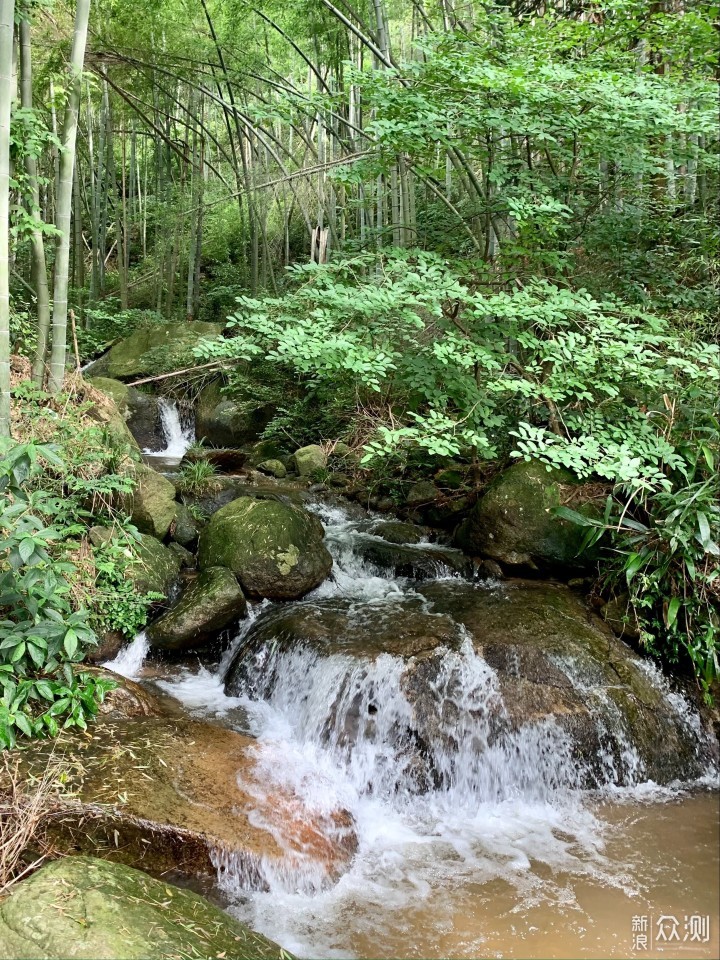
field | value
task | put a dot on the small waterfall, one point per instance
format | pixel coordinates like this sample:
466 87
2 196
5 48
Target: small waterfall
130 659
179 432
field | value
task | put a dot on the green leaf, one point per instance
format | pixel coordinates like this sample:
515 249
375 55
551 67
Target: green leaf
70 642
673 610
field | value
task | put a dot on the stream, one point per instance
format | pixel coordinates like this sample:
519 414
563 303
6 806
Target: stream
491 841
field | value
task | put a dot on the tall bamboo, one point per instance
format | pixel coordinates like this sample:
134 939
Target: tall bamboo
7 23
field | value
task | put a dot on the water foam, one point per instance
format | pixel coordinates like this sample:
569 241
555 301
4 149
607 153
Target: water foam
179 432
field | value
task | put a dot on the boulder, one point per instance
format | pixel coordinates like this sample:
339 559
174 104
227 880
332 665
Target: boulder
466 681
152 503
265 450
184 529
227 422
224 460
108 414
422 494
417 561
82 907
140 411
155 569
273 468
274 549
310 459
186 558
157 348
164 794
210 602
395 531
513 523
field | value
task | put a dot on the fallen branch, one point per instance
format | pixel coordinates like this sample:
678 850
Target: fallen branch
177 373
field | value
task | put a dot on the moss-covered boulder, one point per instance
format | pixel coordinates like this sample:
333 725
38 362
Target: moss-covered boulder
138 409
155 568
157 348
275 550
152 503
273 468
396 531
82 907
210 602
228 422
184 529
310 459
514 523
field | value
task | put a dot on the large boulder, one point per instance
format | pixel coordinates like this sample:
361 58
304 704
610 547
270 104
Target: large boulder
155 568
227 422
514 524
460 683
168 794
82 907
152 503
157 348
418 561
275 550
210 602
185 529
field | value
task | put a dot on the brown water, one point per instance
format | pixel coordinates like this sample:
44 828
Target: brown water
664 859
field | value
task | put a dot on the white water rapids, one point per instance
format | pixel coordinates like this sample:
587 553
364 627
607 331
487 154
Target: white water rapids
505 837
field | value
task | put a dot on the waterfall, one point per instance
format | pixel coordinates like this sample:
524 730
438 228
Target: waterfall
130 659
178 435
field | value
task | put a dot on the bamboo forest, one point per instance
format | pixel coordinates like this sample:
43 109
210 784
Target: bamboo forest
359 479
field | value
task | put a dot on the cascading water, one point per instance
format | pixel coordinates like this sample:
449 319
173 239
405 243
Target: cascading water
466 819
178 431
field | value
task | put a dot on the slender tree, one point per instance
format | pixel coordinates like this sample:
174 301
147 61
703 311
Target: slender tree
7 24
37 246
64 198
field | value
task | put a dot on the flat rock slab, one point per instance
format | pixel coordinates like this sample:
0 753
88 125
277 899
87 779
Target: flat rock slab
81 907
163 794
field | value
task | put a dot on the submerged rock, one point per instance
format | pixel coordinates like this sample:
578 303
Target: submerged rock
513 523
152 503
82 907
210 602
163 795
156 348
226 422
417 561
275 550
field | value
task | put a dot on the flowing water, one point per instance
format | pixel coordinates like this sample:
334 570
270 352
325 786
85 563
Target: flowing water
178 429
488 839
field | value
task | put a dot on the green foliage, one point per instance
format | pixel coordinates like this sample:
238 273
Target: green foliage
41 636
197 478
103 325
116 603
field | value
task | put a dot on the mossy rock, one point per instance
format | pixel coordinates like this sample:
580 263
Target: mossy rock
275 550
155 568
82 907
152 503
224 421
273 468
185 529
310 459
113 388
514 522
396 531
158 348
209 603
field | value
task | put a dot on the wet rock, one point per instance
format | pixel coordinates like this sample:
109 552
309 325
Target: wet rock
309 460
107 414
83 907
155 569
157 348
556 659
152 503
185 529
395 531
419 562
619 615
139 410
273 468
164 794
266 450
207 605
513 523
275 550
109 645
186 558
127 700
227 422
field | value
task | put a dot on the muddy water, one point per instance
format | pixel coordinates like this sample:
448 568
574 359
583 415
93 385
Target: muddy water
511 857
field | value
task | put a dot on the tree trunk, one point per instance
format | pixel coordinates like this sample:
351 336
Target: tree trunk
7 24
37 247
64 198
